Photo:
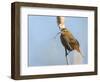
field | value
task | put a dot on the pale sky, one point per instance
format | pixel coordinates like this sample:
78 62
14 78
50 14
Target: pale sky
44 49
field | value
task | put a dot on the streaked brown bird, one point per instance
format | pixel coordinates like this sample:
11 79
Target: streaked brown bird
67 39
69 42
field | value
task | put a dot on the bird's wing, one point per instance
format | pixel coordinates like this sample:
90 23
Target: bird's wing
77 43
74 42
72 39
65 43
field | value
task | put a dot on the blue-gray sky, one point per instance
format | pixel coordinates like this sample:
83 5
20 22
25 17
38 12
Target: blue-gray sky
44 49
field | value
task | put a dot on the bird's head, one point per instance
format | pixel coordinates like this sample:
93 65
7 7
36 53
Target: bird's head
64 30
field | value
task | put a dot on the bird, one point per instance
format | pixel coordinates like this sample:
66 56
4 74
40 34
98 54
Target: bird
69 42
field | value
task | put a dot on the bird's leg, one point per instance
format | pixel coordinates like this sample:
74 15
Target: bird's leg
66 56
68 52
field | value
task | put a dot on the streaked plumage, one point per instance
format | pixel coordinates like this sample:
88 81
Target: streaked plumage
68 41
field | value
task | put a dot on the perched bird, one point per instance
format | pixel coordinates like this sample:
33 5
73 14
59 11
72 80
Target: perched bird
69 42
67 39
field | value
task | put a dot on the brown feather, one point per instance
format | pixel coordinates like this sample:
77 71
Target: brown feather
68 38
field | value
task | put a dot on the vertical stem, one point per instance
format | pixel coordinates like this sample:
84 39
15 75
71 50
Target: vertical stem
67 60
66 56
60 21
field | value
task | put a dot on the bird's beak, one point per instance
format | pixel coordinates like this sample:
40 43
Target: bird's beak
57 34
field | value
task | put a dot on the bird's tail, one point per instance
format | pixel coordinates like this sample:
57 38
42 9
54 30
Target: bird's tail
81 54
78 50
